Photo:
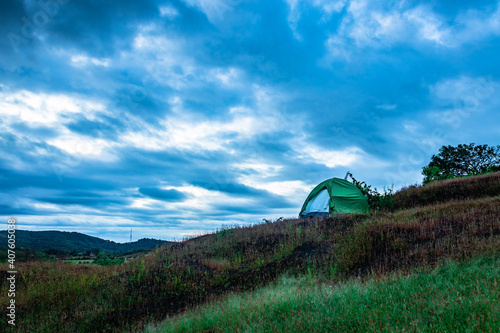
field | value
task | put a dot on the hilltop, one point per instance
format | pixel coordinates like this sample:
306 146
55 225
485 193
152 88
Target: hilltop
455 220
77 242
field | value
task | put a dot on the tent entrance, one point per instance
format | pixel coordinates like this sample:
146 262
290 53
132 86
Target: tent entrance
320 205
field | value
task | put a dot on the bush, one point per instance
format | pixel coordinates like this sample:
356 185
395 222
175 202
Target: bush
376 200
105 260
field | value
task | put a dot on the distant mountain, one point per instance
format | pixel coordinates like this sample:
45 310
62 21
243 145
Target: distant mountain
69 241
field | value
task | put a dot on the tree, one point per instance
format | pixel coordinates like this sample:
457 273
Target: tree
104 259
462 160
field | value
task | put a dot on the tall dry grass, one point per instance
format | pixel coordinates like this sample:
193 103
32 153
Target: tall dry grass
487 185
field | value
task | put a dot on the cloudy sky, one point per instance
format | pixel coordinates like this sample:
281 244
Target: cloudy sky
177 117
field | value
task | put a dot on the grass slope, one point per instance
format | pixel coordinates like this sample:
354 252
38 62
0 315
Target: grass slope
472 187
454 297
59 297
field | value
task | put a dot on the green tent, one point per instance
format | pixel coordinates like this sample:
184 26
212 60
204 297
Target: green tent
334 196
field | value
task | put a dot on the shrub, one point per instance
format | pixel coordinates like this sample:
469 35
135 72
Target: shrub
376 200
104 260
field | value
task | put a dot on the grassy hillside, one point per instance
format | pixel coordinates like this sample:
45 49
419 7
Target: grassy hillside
179 276
69 241
454 297
486 185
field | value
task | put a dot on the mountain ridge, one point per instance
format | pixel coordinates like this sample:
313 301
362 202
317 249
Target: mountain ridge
72 240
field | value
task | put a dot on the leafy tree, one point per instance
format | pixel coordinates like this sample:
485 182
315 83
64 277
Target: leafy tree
462 160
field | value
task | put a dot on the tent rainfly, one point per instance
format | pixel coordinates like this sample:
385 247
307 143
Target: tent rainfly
334 196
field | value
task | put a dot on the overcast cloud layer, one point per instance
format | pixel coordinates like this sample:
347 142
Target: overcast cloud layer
176 117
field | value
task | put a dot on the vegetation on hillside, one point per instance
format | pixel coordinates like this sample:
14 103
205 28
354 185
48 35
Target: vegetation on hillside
53 296
453 297
25 254
487 185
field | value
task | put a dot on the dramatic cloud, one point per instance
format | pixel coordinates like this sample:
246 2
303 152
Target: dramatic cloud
176 117
160 194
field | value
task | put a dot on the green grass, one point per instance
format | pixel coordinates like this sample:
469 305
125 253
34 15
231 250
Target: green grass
453 297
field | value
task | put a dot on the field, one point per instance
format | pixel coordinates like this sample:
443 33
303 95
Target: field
381 266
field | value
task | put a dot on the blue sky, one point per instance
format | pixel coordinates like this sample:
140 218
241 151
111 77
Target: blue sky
177 117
